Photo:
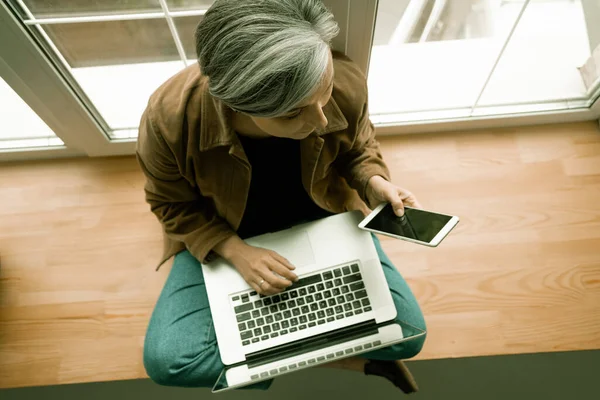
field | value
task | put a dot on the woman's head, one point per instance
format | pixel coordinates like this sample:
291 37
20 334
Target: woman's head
271 60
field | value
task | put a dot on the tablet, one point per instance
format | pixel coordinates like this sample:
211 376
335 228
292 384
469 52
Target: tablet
418 226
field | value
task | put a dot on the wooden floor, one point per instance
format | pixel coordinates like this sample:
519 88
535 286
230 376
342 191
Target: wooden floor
520 273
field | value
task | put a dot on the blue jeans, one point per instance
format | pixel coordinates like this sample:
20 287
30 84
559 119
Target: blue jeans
181 345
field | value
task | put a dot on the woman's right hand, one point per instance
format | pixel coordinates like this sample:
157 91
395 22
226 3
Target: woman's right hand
256 264
265 271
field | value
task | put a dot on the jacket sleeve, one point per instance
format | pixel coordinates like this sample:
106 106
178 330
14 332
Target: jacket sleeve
363 160
186 216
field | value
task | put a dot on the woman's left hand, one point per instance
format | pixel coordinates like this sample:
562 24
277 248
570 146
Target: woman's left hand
380 191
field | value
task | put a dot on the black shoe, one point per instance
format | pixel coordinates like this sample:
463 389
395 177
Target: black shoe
394 371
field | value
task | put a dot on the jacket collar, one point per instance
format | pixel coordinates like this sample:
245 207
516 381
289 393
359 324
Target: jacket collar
216 131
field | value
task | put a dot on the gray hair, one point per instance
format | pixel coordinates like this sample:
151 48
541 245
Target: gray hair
264 57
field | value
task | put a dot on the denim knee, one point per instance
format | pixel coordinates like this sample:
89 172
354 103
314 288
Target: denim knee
408 349
167 368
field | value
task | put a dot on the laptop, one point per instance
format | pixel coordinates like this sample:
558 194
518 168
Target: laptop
340 307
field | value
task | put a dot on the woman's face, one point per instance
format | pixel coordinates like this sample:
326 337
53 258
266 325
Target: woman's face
309 116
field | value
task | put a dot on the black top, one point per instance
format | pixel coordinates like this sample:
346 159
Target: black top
277 199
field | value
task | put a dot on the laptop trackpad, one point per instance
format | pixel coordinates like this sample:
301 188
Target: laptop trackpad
294 246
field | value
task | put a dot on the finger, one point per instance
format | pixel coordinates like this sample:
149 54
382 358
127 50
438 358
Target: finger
365 210
283 260
283 271
266 288
255 286
415 204
397 203
289 267
273 280
410 200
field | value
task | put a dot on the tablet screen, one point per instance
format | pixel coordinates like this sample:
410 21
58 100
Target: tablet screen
415 224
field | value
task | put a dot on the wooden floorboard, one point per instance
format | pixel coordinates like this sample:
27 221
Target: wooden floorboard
519 274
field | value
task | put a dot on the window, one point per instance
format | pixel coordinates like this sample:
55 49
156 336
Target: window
116 53
442 59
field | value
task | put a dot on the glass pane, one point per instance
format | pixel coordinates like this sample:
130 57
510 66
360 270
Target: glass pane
70 8
434 55
541 62
113 42
21 127
178 5
121 92
118 64
186 27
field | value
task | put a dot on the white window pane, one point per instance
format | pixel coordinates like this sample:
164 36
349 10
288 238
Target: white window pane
540 64
121 92
71 8
113 42
432 55
21 127
180 5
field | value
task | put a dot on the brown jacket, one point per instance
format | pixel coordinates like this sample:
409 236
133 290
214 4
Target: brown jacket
198 176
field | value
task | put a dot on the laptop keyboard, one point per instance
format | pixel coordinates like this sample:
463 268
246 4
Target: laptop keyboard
314 300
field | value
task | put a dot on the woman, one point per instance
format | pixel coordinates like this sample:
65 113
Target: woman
271 129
